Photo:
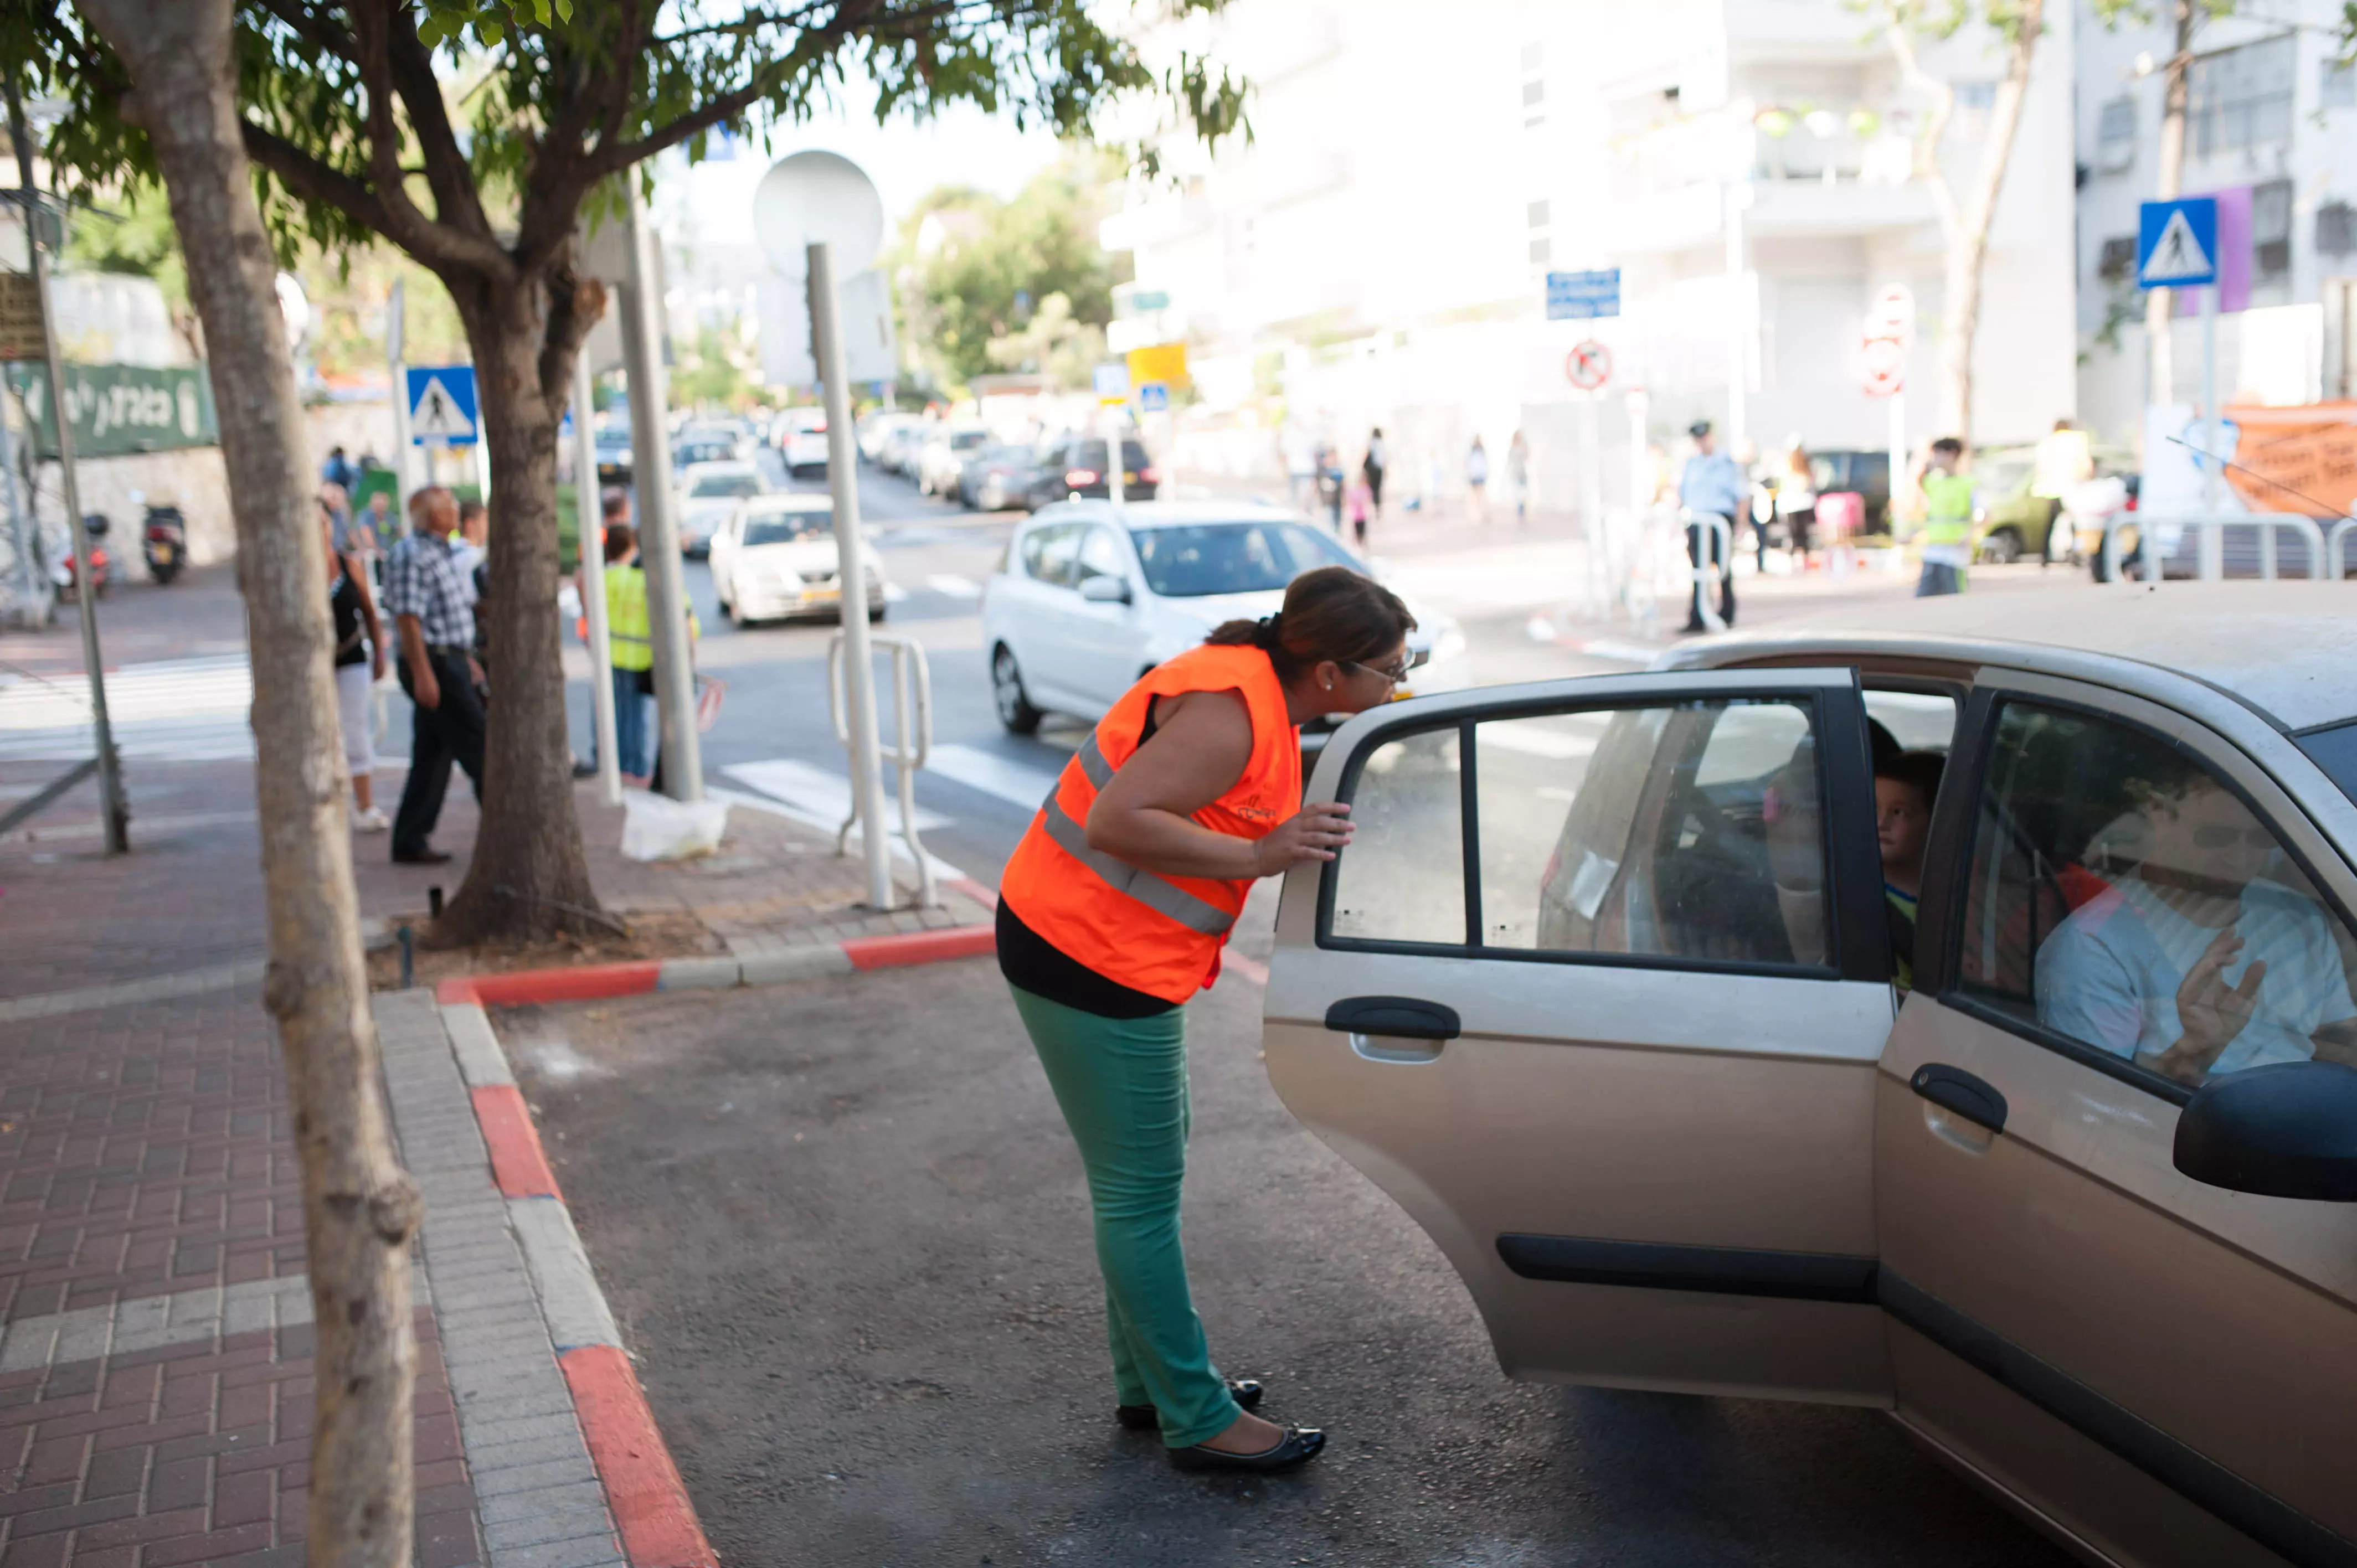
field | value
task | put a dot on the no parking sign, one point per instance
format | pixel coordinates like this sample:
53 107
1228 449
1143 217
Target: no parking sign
1590 366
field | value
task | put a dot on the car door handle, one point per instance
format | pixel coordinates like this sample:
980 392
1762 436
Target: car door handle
1400 1017
1955 1089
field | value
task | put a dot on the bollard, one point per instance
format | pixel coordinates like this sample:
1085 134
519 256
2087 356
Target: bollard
434 902
408 958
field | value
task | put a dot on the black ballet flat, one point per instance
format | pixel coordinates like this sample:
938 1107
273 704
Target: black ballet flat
1298 1445
1245 1391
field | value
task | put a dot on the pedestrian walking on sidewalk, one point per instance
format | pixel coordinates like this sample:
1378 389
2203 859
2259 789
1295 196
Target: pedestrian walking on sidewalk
1947 519
1361 501
360 665
1477 480
1113 912
429 611
1796 503
1518 476
632 641
1371 467
1710 484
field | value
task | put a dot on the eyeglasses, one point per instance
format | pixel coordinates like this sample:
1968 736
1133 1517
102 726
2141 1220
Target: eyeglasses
1395 673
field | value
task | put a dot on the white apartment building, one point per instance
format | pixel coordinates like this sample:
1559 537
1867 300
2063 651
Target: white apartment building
1377 255
2272 132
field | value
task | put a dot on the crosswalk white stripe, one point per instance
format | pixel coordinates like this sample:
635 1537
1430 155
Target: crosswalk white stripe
951 585
991 774
817 795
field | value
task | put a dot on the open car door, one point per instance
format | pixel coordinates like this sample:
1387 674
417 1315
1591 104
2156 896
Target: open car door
1597 995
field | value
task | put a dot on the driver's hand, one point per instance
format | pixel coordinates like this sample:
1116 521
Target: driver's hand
2211 1013
1315 832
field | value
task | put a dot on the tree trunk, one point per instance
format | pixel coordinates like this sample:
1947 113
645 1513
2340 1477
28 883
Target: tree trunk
1968 247
2159 304
360 1208
529 875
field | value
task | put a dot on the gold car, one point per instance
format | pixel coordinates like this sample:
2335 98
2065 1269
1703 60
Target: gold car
1602 994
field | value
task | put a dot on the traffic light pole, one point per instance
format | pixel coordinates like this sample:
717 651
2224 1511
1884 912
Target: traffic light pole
112 806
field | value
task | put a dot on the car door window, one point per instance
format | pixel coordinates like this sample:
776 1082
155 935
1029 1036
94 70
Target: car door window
2129 907
1683 830
1099 557
1048 553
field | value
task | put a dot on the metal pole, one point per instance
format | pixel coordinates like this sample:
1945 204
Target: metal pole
683 761
1591 497
589 524
112 806
2214 539
1640 491
1897 456
1739 315
851 570
395 308
1110 414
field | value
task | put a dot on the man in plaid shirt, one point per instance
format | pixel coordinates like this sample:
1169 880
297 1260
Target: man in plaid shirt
431 609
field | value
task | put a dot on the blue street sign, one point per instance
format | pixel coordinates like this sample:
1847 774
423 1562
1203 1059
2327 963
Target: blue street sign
1153 397
442 409
1583 296
2177 243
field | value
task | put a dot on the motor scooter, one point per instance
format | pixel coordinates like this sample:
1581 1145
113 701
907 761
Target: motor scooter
66 576
163 539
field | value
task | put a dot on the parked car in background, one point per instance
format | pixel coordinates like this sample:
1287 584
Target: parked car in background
998 478
800 435
896 452
614 466
776 558
2013 524
1607 993
876 429
708 493
1089 598
944 453
736 435
703 446
1865 475
1074 465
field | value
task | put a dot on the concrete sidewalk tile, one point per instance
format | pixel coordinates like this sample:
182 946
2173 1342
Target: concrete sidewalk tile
569 1295
785 964
481 1062
698 975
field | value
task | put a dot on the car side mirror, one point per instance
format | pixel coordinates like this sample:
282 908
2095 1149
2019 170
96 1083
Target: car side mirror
1103 590
2285 1131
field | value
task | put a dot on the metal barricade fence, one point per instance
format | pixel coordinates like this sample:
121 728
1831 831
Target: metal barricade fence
2336 549
2149 525
911 743
1709 563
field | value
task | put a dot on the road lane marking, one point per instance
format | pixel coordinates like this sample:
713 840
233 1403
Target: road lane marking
952 586
819 797
1017 783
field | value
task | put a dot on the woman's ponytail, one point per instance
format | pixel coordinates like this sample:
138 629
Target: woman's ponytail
1329 613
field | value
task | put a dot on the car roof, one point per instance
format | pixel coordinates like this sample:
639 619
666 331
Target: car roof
2285 650
1136 515
789 500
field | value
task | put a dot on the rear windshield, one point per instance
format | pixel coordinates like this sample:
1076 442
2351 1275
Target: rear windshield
1206 558
1092 455
967 440
726 485
702 455
784 528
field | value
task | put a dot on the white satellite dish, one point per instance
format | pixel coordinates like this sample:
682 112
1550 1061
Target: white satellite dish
818 198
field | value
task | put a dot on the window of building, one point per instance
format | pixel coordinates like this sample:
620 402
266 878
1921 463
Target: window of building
2336 229
2116 260
1542 253
2271 232
2111 877
2116 135
2337 88
1538 214
2241 99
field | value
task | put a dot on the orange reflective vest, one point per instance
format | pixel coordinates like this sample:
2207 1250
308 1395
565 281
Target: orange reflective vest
1157 934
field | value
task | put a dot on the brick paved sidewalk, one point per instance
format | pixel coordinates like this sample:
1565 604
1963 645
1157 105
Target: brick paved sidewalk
156 1372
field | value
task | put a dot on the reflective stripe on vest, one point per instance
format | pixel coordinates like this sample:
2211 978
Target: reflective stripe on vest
1948 508
1156 893
1155 934
626 619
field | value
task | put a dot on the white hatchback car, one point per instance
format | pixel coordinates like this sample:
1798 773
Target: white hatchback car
775 557
801 437
708 493
1090 597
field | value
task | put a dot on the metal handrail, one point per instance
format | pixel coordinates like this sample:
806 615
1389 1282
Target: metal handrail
912 743
2148 525
1705 579
2336 549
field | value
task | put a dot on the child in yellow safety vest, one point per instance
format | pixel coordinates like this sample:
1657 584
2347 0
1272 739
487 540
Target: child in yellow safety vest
1947 519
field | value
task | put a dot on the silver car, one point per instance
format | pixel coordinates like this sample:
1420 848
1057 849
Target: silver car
1604 996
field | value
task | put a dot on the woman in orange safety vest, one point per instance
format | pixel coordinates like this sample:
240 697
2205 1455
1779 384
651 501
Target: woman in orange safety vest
1113 912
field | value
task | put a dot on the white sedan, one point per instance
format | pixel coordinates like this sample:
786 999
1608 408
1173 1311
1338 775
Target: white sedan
801 437
708 493
775 557
1090 597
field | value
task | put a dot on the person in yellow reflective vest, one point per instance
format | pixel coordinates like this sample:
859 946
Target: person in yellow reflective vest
1947 519
631 642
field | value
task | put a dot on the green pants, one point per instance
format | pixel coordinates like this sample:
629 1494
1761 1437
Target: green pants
1122 1084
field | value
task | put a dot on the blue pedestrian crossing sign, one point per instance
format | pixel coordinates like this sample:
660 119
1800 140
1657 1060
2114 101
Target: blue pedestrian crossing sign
2177 243
1583 296
1153 397
442 411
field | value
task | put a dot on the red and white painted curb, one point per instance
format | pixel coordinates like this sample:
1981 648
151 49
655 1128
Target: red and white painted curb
651 1513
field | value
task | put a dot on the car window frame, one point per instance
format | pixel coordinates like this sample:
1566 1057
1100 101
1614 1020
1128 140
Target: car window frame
1941 933
1856 938
1111 535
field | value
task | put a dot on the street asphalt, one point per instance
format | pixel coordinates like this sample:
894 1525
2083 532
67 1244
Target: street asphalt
846 1234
